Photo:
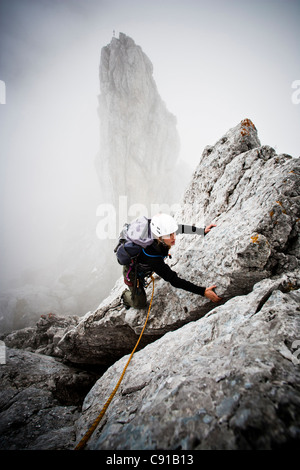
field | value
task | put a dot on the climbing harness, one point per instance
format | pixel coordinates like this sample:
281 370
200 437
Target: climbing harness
94 425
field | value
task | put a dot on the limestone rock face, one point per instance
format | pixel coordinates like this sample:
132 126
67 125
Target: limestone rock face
252 195
39 401
227 381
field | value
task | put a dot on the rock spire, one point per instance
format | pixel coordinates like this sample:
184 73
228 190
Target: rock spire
139 141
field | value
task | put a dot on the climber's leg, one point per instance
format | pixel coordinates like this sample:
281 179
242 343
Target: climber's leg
130 298
138 300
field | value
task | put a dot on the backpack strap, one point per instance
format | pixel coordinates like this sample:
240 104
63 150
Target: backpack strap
127 275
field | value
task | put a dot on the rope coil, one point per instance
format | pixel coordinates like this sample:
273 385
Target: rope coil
94 425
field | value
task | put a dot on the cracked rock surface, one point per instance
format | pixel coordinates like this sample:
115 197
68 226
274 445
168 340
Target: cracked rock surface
252 195
227 381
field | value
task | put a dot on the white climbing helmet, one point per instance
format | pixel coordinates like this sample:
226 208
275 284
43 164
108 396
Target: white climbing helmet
163 224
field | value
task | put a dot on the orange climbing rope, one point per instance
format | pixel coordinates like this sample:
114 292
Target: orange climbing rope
92 428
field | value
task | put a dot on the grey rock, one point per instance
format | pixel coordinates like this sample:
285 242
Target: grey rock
252 195
206 376
139 141
44 337
228 377
40 400
227 381
139 146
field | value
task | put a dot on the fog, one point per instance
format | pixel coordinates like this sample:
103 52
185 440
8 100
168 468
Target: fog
215 63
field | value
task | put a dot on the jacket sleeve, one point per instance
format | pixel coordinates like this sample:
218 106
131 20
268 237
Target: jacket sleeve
166 273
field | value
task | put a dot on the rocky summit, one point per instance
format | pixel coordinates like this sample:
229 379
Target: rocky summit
206 376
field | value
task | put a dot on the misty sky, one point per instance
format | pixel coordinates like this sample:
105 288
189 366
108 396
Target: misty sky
215 62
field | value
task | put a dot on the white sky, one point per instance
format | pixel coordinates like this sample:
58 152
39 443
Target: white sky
215 62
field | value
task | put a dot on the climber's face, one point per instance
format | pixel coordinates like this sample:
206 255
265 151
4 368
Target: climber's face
170 239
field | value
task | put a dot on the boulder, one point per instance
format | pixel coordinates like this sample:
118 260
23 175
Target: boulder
40 401
139 141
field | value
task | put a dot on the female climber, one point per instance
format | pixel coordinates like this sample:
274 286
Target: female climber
151 260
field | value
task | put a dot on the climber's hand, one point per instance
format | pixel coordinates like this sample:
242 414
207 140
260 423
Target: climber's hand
209 227
211 295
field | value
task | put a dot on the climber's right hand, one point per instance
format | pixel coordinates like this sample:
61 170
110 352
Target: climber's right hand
211 295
